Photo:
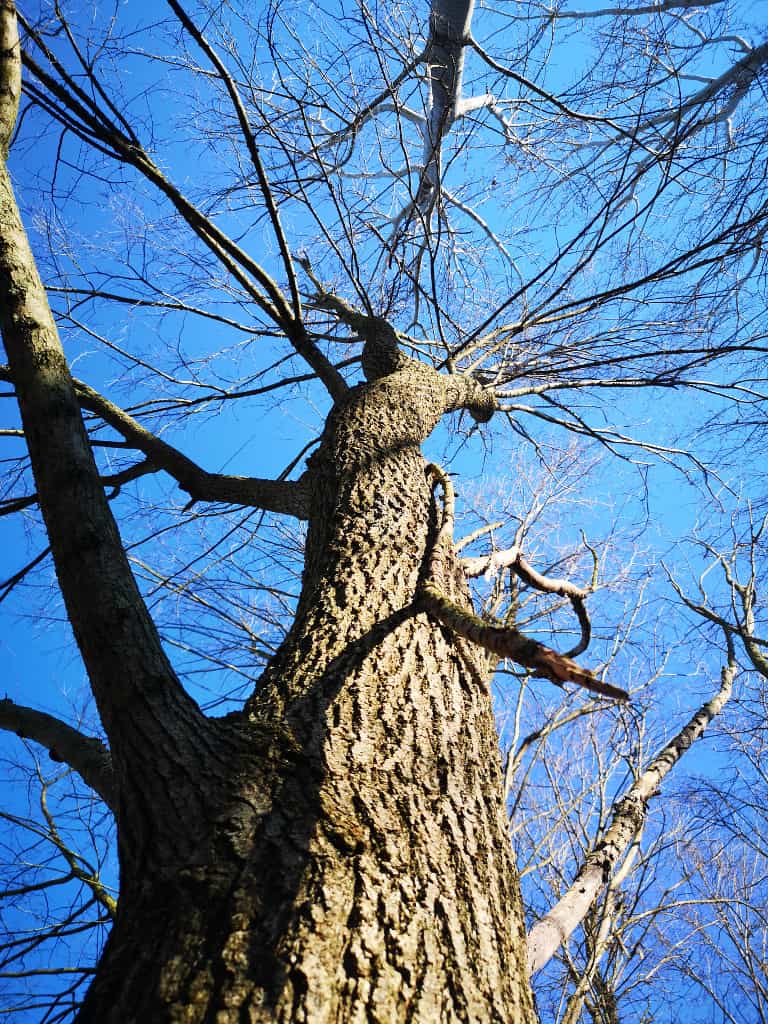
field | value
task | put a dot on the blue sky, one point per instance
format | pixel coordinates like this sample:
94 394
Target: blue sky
649 509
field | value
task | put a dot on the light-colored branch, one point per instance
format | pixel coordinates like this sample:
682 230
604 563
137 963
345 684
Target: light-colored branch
85 754
491 564
628 819
564 588
376 105
632 11
512 558
450 24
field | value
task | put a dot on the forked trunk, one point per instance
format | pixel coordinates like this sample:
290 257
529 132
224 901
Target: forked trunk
348 858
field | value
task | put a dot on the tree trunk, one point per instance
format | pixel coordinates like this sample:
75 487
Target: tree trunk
353 863
337 851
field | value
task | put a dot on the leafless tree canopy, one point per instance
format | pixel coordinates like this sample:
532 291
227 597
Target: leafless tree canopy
285 246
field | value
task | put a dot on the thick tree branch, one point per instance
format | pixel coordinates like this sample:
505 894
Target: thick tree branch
491 564
382 355
85 754
450 24
629 818
282 496
503 641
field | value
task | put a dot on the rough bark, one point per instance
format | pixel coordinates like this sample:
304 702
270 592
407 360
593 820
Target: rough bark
357 865
339 850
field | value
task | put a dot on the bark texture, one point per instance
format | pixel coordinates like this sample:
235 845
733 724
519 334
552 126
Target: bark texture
356 865
338 851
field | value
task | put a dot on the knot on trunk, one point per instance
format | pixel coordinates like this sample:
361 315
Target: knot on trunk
381 354
482 404
463 392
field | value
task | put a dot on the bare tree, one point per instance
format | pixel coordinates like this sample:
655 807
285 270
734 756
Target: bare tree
670 893
426 202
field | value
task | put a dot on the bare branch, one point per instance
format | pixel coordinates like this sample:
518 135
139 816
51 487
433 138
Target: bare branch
503 641
85 754
282 496
632 11
512 558
253 149
628 819
119 642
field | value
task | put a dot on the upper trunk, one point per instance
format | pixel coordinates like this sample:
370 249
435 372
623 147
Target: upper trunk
356 864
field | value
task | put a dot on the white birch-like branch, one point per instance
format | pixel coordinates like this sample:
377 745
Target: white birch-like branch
628 820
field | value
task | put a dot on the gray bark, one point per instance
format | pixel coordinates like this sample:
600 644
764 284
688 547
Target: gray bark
449 33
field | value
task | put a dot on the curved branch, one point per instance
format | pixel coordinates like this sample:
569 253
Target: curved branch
564 588
512 558
88 756
503 641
